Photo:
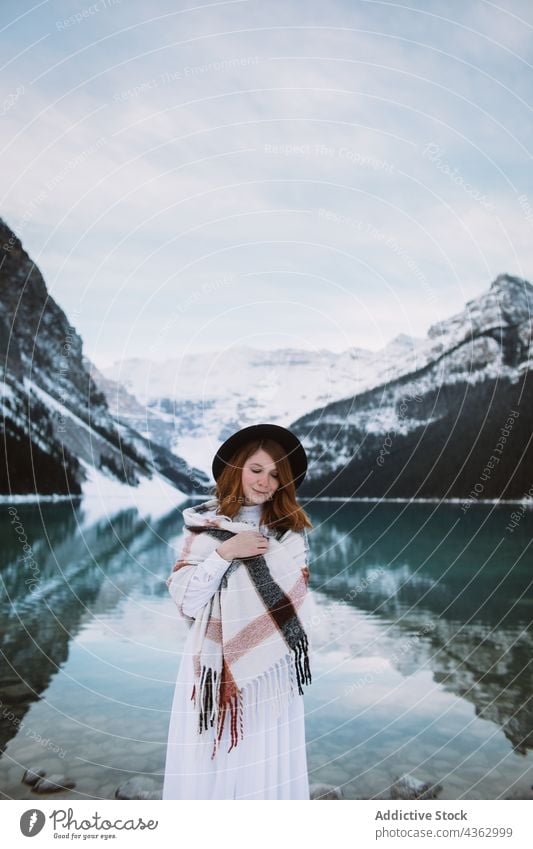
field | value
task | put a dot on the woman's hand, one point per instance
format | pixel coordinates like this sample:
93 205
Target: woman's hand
243 544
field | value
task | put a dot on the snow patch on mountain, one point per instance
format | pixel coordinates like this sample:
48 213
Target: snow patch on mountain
195 402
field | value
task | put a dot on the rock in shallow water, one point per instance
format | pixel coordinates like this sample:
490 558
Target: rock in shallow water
138 787
525 792
54 783
325 791
409 787
33 775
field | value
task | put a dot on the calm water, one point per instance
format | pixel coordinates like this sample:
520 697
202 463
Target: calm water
422 647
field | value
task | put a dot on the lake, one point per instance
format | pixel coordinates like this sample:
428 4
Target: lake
421 646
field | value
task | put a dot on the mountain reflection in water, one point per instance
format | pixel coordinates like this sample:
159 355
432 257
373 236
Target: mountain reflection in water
421 638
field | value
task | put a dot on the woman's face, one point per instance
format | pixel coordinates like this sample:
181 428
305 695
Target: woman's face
260 478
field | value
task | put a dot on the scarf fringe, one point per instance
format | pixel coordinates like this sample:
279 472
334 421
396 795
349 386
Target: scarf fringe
273 690
303 671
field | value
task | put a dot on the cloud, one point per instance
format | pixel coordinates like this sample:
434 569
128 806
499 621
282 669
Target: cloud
154 155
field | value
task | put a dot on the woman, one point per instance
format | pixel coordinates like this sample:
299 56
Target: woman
237 724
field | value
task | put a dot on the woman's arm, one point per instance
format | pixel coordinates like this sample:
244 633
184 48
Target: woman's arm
298 545
203 584
303 554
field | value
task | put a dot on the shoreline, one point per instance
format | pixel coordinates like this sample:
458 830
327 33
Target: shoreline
35 498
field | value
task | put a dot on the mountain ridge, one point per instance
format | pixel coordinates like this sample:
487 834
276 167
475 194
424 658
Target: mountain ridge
430 431
477 344
54 414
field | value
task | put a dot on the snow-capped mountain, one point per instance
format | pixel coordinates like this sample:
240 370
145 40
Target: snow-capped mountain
419 418
456 425
56 420
189 406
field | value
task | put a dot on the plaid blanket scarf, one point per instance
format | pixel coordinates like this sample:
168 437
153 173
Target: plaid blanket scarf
249 641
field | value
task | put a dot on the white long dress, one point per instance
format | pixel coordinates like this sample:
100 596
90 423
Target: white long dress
270 762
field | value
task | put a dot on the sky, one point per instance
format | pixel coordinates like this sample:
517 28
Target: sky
311 175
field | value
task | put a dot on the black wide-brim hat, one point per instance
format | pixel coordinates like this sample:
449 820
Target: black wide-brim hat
295 451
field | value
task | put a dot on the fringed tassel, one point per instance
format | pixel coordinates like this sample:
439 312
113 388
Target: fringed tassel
279 685
241 711
200 699
279 689
307 669
275 688
233 727
219 727
208 697
297 652
268 690
292 674
303 672
235 706
216 696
